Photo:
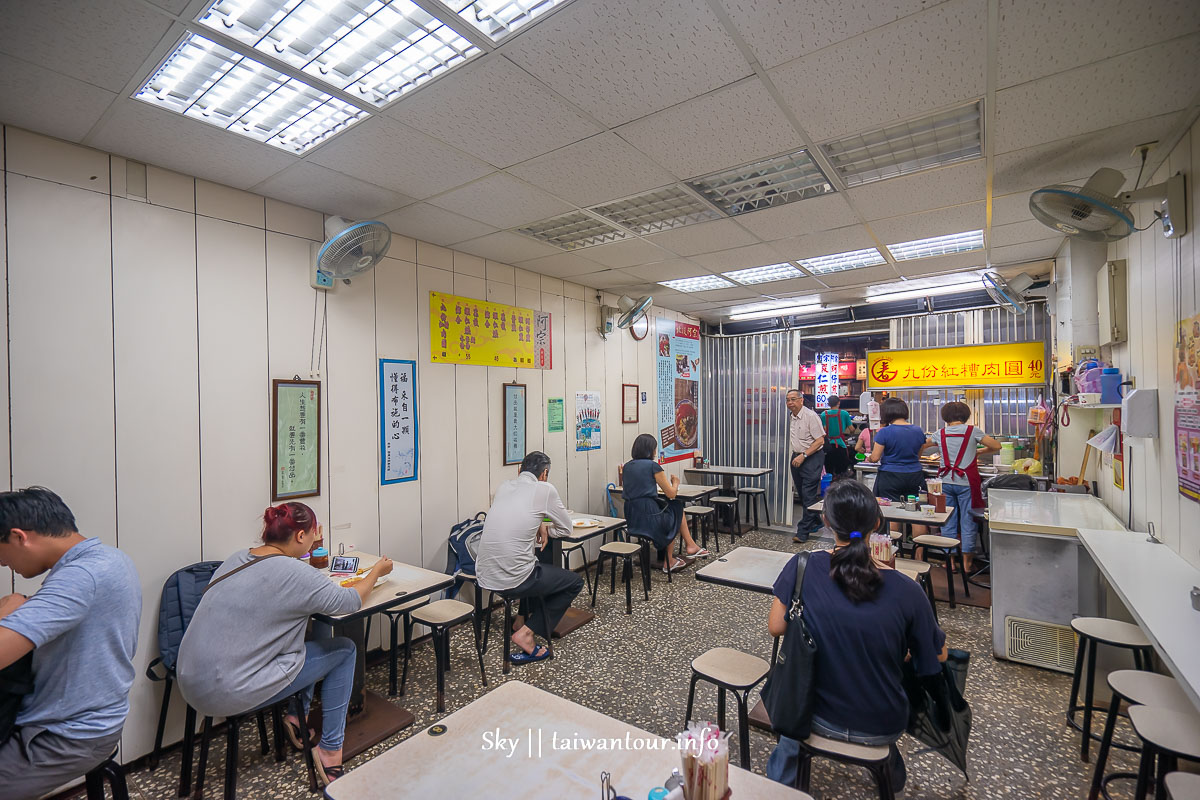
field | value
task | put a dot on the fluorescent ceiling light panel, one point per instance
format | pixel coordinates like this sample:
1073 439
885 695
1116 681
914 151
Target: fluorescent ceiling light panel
208 82
933 141
573 230
774 308
499 18
842 261
378 50
659 210
883 296
764 184
937 246
771 272
701 283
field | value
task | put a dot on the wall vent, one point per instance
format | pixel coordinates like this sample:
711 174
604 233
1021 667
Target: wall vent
1042 644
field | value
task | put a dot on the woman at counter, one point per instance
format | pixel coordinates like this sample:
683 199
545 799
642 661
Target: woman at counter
897 450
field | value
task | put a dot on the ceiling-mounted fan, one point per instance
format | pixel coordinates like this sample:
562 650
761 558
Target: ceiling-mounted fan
1014 294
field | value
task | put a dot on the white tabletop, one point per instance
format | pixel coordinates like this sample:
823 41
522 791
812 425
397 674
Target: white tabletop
746 568
688 491
460 763
1154 582
606 524
741 472
405 583
1055 513
895 513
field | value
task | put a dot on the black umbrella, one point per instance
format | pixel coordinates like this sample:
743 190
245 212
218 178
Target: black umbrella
938 714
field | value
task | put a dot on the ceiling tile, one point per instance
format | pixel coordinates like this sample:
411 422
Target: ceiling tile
1010 208
1115 91
621 60
923 62
838 240
627 253
561 265
1033 251
789 287
705 237
492 109
735 295
1020 233
957 219
602 168
1039 38
669 270
103 44
1076 158
156 136
755 255
327 190
779 32
864 276
605 279
921 191
507 247
795 219
501 200
72 106
433 224
954 262
389 154
730 126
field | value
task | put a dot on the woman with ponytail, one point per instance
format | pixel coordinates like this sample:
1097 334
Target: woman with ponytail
866 619
244 648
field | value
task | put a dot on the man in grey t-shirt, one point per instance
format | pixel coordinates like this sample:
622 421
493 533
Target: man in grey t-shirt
82 627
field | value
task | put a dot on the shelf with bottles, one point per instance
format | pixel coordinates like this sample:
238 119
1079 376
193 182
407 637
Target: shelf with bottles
1093 405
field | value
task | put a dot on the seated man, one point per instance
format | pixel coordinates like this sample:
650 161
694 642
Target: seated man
506 561
82 627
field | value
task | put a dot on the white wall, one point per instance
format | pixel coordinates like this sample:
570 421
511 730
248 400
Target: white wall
1164 285
143 337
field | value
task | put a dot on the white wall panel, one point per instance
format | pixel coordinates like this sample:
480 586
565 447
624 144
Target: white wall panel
6 574
554 385
235 393
498 292
157 413
575 380
439 435
610 423
471 402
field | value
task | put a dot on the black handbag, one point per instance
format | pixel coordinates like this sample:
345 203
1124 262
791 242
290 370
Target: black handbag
16 681
790 691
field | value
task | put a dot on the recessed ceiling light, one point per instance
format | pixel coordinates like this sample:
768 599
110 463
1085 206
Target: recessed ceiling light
499 18
379 50
771 272
932 141
208 82
659 210
764 184
774 308
573 230
701 283
929 291
937 246
842 261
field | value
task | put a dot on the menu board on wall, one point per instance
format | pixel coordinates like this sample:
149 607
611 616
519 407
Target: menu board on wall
466 331
1187 407
678 379
826 378
971 366
397 420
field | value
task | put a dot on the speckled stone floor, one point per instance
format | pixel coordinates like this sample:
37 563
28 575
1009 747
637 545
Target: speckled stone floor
636 668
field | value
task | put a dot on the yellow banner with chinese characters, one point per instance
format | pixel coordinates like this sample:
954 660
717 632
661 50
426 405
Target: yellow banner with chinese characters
466 331
965 366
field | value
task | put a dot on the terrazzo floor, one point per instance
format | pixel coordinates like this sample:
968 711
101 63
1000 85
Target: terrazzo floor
636 668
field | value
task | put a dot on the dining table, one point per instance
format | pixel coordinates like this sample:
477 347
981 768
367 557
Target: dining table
728 473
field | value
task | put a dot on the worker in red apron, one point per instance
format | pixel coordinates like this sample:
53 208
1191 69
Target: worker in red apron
960 445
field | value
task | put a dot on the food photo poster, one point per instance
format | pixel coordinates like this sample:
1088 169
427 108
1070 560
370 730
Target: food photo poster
678 376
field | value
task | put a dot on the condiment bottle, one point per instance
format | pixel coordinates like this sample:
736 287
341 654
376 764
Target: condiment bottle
319 558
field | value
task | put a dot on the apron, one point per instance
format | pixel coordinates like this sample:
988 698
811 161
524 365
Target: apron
970 472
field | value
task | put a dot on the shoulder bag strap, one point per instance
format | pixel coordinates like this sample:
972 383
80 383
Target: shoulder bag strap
236 570
797 606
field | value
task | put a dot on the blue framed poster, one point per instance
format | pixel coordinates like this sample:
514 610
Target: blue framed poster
514 423
398 439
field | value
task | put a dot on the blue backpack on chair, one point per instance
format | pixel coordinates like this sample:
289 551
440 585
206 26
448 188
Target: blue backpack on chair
462 548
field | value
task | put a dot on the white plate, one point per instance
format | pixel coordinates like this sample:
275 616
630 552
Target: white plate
586 523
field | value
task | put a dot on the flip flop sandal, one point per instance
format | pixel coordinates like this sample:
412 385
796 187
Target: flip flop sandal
540 653
676 565
326 775
701 553
292 732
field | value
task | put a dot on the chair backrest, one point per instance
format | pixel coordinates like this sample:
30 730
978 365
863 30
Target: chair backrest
180 597
616 502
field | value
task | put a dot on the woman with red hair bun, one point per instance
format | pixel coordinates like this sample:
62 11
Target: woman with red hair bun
244 648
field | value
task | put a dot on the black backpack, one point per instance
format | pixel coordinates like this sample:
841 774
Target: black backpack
16 681
180 596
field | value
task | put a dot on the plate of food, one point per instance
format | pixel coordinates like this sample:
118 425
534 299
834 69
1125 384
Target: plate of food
685 424
356 579
586 522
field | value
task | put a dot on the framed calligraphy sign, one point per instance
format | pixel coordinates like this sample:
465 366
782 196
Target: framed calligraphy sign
295 439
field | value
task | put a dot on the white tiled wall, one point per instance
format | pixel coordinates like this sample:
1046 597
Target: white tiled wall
144 335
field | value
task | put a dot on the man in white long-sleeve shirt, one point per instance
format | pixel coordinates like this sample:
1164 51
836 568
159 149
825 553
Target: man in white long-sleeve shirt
506 561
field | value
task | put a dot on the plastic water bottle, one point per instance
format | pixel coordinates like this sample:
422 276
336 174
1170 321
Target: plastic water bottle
1110 386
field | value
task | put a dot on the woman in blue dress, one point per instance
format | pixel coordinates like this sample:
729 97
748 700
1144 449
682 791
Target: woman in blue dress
647 514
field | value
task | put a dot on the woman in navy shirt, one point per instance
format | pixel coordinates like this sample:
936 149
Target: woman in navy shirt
647 515
897 450
866 620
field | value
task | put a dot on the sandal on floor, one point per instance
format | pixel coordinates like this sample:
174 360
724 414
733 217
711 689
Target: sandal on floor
540 653
701 553
292 732
326 775
676 565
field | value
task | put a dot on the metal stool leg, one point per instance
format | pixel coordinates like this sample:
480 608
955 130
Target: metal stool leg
438 634
231 758
691 697
408 626
949 574
508 621
189 748
1087 702
743 728
627 574
162 723
205 735
393 622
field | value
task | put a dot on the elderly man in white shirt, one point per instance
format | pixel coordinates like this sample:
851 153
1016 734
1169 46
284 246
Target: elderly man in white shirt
806 440
506 561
